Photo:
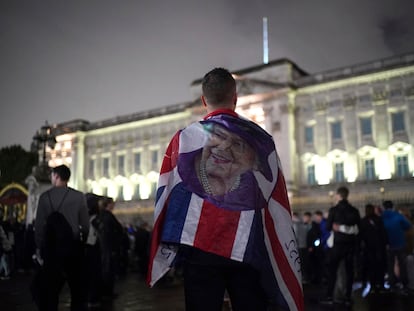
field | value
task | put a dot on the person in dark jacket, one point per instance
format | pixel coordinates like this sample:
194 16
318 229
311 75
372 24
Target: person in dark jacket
315 248
110 233
93 252
396 225
56 271
344 221
374 256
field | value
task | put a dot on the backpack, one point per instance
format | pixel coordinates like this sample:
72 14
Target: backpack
58 235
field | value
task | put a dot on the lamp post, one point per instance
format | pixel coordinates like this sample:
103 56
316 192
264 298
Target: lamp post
331 196
382 191
43 138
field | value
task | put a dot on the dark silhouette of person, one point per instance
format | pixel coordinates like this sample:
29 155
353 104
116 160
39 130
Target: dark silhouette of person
315 249
373 239
396 226
72 204
110 233
344 221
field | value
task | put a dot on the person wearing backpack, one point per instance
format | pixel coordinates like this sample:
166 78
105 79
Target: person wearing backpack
61 226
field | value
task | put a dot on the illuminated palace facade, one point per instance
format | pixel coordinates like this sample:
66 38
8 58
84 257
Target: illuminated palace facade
352 126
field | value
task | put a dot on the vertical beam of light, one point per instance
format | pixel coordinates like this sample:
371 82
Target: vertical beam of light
265 42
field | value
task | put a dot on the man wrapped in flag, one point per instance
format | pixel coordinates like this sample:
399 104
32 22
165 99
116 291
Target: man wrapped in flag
222 211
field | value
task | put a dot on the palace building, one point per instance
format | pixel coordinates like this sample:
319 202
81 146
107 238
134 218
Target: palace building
351 126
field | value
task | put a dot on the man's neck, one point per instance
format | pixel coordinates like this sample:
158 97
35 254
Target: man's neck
61 184
220 111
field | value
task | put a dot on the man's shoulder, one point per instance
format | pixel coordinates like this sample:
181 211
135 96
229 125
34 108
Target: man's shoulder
345 204
76 192
353 209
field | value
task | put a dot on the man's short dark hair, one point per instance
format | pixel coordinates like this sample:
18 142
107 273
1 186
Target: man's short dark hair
388 204
319 213
62 171
343 192
369 209
218 87
307 214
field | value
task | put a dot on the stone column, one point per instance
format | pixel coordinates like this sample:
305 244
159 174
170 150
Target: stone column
382 134
321 129
286 143
78 162
350 126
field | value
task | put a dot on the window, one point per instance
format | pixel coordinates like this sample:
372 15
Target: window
402 166
398 124
137 162
396 93
366 126
369 169
311 175
105 168
121 164
309 134
339 172
91 168
336 130
365 98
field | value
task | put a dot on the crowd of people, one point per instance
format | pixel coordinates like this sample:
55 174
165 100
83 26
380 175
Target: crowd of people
381 249
106 252
339 249
13 253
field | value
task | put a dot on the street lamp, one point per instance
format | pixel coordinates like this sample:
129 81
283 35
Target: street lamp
331 196
43 138
382 191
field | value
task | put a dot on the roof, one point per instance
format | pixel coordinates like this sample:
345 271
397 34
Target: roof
281 61
357 70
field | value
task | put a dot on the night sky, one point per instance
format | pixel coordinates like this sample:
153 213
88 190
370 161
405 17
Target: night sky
94 60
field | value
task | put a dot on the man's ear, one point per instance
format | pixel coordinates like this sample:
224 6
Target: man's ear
204 101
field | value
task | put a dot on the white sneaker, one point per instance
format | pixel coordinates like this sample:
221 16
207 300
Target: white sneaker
366 290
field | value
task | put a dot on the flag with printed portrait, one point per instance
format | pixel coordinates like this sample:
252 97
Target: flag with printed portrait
221 189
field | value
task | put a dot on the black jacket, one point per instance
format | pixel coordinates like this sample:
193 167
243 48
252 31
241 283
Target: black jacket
343 214
373 234
314 234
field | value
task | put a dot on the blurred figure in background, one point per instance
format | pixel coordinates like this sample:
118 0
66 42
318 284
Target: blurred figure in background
110 233
301 228
93 252
396 226
315 249
5 250
374 257
142 239
344 221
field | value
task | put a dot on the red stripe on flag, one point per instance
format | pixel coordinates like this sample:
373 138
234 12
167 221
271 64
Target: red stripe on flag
216 224
285 269
171 154
155 240
279 193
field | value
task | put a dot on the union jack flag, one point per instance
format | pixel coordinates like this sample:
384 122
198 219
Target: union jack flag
251 223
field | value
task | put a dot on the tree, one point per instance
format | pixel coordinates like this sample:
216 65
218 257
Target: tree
15 164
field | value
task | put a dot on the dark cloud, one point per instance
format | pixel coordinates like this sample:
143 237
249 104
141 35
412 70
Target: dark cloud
398 34
62 60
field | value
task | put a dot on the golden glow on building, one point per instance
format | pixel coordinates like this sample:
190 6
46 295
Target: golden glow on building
62 152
